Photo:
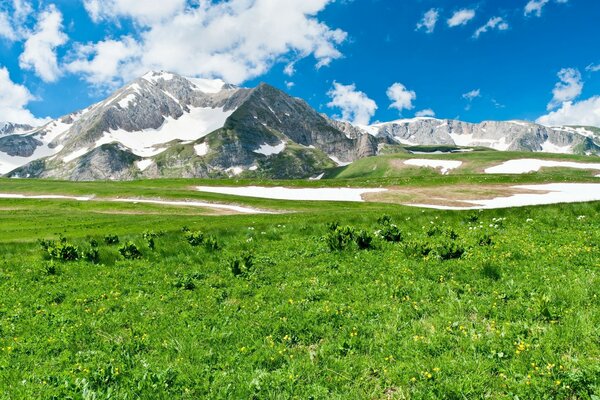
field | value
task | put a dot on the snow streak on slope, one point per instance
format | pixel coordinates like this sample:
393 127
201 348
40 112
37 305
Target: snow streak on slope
194 125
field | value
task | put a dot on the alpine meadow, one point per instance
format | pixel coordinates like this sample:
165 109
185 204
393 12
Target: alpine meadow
291 199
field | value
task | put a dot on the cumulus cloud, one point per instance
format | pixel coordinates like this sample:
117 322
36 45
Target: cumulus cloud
139 11
401 97
585 112
428 112
568 89
13 101
429 21
461 17
104 62
235 40
493 23
356 106
39 52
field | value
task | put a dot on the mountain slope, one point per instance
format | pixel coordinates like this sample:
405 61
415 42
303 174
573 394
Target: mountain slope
171 126
498 135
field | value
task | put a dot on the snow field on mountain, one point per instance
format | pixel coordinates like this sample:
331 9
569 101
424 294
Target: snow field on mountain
525 165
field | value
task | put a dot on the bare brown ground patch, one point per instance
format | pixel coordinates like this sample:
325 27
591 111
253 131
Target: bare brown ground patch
447 195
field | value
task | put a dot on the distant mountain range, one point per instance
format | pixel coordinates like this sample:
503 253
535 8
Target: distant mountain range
166 125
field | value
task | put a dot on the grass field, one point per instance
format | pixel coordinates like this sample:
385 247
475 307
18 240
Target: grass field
328 301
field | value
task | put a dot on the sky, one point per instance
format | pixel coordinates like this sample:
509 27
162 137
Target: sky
363 61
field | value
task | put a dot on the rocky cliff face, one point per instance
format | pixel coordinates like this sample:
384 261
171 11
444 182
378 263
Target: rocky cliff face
9 128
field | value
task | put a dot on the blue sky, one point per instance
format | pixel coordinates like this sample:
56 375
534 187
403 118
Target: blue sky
348 58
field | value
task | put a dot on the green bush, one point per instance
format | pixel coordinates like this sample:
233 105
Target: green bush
384 220
195 238
62 251
391 233
364 240
341 238
92 255
243 265
130 251
211 243
111 239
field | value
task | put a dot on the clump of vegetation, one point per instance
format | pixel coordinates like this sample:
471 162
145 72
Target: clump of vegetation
111 239
149 237
61 250
130 251
391 233
243 265
384 220
195 238
364 240
211 243
340 238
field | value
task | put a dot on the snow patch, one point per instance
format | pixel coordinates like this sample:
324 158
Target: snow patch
553 193
154 77
268 150
339 162
317 178
207 85
526 165
283 193
75 155
194 125
124 102
201 149
234 170
144 164
445 165
548 147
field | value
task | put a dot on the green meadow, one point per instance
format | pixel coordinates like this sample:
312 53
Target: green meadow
326 300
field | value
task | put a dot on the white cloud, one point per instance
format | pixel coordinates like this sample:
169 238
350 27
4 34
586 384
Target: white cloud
6 29
569 87
593 68
356 106
289 85
535 7
235 40
428 112
429 20
290 69
139 11
493 23
585 112
13 101
473 94
102 63
39 53
461 17
401 97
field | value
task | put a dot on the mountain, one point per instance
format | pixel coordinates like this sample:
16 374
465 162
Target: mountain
166 125
8 128
498 135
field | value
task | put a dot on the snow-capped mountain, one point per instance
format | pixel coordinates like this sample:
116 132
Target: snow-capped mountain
9 128
498 135
166 125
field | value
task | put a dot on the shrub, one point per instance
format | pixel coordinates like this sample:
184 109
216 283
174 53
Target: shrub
448 250
332 226
149 236
130 251
62 250
111 239
384 220
485 240
92 255
211 243
391 233
195 238
364 240
242 265
185 283
340 238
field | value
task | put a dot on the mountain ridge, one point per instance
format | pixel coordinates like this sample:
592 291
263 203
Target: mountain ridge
166 125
